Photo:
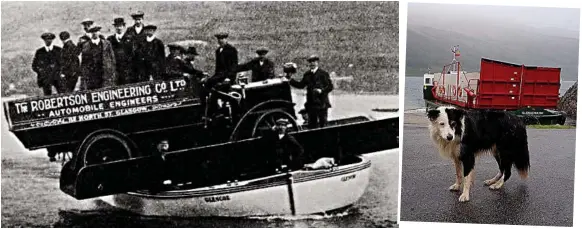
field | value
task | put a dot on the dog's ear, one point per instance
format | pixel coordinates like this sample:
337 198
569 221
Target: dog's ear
433 114
457 113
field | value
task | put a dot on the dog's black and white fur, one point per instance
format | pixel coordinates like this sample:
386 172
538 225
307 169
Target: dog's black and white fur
462 135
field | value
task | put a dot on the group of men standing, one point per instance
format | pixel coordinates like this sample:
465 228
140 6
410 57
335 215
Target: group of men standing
134 54
131 55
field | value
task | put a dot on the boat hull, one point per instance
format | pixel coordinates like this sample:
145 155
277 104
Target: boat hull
295 193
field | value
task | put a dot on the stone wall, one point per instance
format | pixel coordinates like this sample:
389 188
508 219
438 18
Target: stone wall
568 101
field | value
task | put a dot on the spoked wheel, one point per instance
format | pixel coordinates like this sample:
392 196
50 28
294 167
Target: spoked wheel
104 147
266 122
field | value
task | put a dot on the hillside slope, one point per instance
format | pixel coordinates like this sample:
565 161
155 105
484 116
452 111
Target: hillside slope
364 34
430 47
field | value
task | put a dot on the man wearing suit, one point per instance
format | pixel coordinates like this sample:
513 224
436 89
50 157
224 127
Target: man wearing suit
123 49
224 70
261 67
150 56
47 65
179 66
282 151
87 24
97 62
226 61
136 34
136 31
318 85
70 67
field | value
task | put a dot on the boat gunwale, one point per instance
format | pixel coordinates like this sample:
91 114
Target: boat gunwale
305 176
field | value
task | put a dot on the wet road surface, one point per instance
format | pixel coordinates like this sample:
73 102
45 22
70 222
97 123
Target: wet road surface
544 198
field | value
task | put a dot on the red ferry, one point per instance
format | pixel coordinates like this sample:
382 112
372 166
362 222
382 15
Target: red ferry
531 92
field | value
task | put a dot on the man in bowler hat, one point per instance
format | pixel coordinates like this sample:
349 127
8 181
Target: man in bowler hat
46 63
70 66
262 68
178 63
122 46
319 85
97 62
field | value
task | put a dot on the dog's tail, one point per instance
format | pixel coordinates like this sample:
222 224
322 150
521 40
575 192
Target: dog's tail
521 161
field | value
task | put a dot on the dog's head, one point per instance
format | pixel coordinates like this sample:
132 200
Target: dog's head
447 122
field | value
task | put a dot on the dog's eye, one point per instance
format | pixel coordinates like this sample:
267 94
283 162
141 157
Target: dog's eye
453 123
442 123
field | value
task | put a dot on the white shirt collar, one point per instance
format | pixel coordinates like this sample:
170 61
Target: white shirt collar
96 41
119 36
261 62
281 136
314 70
138 28
150 39
49 48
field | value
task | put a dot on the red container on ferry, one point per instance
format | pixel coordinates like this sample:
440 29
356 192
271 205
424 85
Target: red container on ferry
499 85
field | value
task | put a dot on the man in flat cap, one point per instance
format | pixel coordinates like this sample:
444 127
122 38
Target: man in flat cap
47 65
122 46
97 62
224 71
70 67
136 31
136 34
226 61
87 24
281 150
150 56
318 85
262 68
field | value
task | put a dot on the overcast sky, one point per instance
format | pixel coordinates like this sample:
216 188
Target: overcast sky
550 20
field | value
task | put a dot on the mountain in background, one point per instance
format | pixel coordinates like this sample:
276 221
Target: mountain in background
521 35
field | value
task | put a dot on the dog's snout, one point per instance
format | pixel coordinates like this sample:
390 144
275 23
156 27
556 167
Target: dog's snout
450 137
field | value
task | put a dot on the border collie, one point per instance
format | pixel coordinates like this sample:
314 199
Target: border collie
462 135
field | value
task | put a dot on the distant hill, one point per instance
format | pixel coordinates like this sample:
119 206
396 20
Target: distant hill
430 47
361 34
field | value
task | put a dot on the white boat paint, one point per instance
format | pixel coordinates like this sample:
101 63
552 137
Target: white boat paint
296 193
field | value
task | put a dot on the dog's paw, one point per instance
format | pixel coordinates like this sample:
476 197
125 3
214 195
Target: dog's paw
497 185
455 187
490 181
464 197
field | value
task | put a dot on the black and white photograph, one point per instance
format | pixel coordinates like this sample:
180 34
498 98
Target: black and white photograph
489 133
207 114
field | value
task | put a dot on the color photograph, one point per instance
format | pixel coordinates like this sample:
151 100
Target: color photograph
490 114
200 114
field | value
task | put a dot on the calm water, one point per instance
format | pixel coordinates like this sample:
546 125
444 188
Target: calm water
377 208
413 92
